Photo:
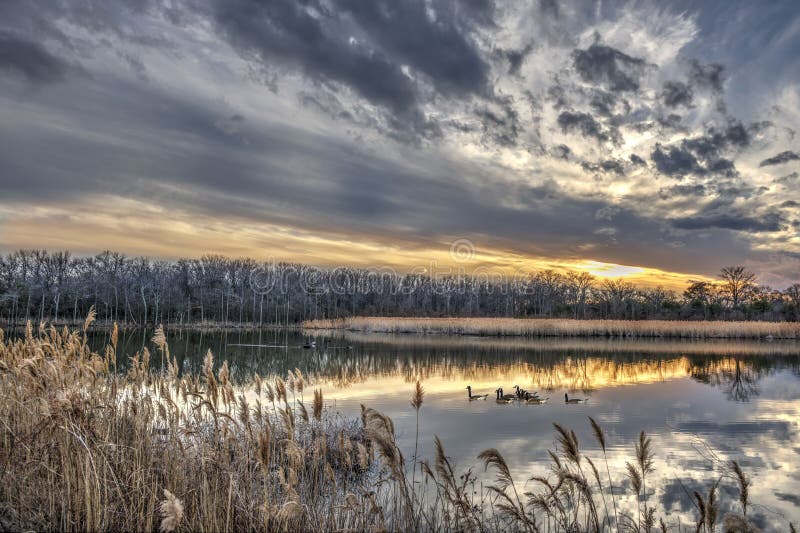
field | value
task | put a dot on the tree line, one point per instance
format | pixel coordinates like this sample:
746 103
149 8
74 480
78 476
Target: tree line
58 287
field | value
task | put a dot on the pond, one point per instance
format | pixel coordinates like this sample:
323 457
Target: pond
703 403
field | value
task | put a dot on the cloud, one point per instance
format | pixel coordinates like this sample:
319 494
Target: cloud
675 161
609 67
781 158
710 76
584 123
768 223
403 122
30 59
676 93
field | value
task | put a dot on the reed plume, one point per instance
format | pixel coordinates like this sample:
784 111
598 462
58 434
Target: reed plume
171 509
317 405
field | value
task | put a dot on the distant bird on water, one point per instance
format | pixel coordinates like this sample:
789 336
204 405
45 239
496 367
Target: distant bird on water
533 400
309 345
501 398
507 397
476 396
567 399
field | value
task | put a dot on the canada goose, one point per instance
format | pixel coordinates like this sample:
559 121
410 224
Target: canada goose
567 399
522 394
500 398
508 397
476 396
536 401
309 345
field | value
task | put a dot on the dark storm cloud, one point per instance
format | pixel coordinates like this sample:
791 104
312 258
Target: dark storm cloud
737 222
30 59
366 56
676 93
584 123
405 31
783 157
608 66
286 31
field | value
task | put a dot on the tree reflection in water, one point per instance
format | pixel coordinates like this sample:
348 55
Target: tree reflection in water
345 360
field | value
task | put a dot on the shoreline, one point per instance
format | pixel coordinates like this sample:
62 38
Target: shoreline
566 328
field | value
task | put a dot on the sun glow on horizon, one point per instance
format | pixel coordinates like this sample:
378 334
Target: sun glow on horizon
125 226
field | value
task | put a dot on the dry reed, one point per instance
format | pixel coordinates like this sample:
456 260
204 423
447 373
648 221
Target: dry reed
86 448
548 327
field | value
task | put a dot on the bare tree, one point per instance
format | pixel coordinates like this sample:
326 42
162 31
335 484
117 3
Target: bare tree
737 283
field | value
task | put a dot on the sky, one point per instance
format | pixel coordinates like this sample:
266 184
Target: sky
651 140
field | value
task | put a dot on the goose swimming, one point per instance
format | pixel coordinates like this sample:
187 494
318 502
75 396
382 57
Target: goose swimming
475 396
567 399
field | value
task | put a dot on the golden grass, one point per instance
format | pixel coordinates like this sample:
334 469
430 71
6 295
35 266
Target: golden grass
84 448
556 327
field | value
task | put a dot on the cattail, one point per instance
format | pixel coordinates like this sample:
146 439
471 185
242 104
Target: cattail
318 404
270 394
171 511
417 396
300 382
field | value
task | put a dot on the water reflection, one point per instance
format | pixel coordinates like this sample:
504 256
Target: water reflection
703 403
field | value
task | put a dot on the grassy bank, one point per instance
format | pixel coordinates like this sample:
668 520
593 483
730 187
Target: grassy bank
85 448
556 327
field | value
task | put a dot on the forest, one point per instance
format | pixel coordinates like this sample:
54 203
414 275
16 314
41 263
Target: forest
60 287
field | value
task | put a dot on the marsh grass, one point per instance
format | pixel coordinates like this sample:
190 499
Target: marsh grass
556 327
85 448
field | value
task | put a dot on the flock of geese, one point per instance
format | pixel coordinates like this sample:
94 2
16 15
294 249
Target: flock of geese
520 395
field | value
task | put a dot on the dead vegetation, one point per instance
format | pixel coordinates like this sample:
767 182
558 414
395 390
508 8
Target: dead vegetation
86 448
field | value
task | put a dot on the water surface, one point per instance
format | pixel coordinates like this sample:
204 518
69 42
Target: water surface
703 403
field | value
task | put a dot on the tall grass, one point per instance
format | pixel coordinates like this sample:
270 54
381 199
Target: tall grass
556 327
85 448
